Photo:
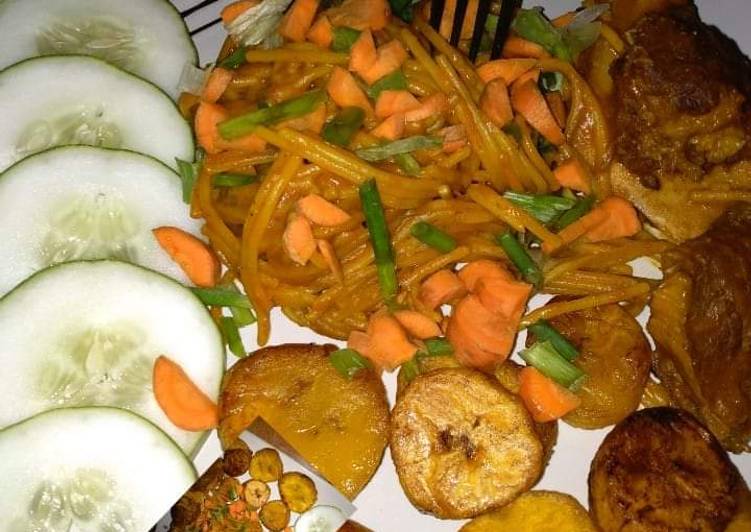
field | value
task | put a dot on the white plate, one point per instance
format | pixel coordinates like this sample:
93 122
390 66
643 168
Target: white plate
382 505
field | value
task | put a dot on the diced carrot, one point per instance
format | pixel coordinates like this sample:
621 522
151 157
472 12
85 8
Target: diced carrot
621 220
181 400
440 288
417 325
321 32
361 14
190 253
518 47
237 509
432 105
389 346
563 20
363 53
476 270
506 69
507 298
326 249
532 74
447 17
208 117
235 9
345 91
571 175
297 20
360 342
321 211
557 107
391 129
391 102
579 228
298 239
313 121
496 104
528 101
216 84
391 56
466 350
454 137
545 399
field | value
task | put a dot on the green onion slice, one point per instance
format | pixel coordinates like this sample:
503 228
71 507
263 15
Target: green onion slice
343 126
407 163
543 357
395 81
188 175
229 180
582 207
431 236
344 38
235 59
382 152
222 297
545 332
521 259
348 362
380 239
232 337
545 208
437 347
409 370
296 107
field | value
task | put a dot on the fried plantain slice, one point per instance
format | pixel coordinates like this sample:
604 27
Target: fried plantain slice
660 469
298 491
535 511
462 445
266 465
256 493
274 515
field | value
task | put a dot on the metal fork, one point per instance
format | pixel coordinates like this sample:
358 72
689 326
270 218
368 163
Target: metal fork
185 13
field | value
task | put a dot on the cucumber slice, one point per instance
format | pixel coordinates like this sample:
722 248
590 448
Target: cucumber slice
85 469
88 333
145 37
320 519
75 99
80 202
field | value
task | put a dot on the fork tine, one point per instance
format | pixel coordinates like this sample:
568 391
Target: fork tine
200 5
506 17
436 13
459 14
206 26
483 10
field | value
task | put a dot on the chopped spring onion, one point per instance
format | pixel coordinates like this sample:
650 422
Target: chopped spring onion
395 81
551 81
343 126
544 332
582 207
222 297
437 347
382 152
348 362
431 236
407 163
403 9
545 208
543 357
521 259
409 370
235 59
232 337
188 175
380 238
344 38
242 316
244 124
513 129
233 180
565 43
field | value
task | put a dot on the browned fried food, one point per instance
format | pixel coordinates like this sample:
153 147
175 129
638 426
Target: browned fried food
615 355
339 426
682 119
701 324
662 470
462 445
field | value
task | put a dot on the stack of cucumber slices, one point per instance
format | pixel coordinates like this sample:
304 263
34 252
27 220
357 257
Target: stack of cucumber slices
88 299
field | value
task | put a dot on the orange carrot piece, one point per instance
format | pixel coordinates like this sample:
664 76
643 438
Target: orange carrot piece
579 228
313 121
389 346
532 74
297 20
360 342
496 104
557 107
528 101
545 399
321 33
328 253
441 288
208 116
216 84
391 102
508 70
391 56
181 400
345 91
564 19
571 175
235 9
298 239
477 270
621 220
321 211
361 14
417 325
391 129
432 105
193 256
518 47
507 298
363 53
454 137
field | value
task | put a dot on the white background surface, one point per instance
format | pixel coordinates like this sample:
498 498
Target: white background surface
382 505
